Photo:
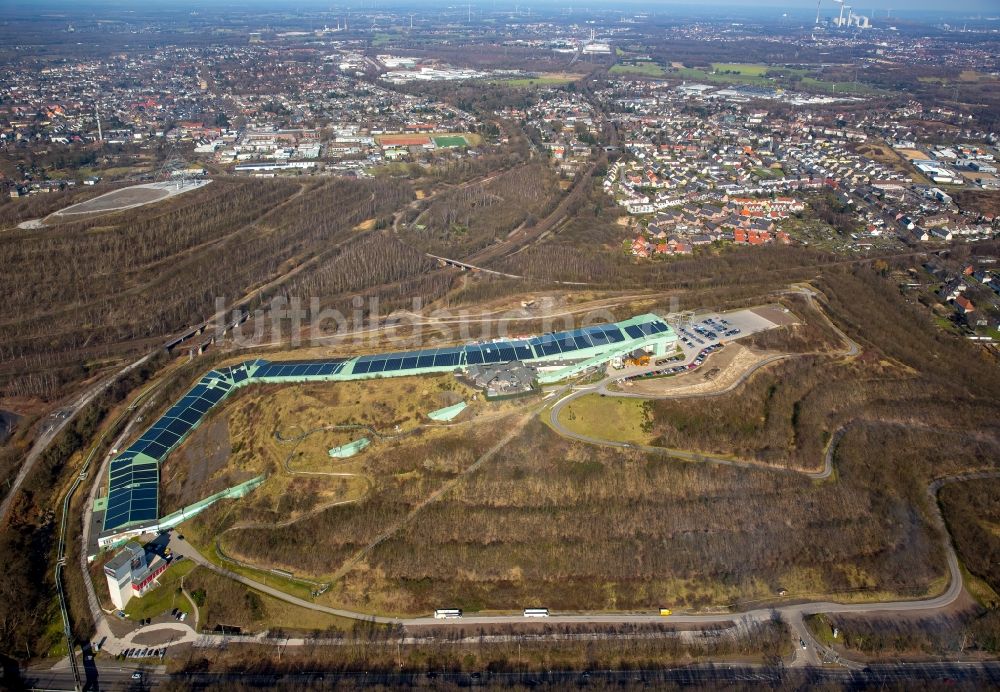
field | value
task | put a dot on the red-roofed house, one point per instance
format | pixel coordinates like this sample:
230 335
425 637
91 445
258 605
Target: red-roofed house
964 305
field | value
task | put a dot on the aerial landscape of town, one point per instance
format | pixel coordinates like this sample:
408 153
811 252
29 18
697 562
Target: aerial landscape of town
400 343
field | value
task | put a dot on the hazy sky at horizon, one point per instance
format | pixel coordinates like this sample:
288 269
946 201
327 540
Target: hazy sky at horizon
988 7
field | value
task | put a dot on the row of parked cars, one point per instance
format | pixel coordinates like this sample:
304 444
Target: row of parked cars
677 369
702 355
143 652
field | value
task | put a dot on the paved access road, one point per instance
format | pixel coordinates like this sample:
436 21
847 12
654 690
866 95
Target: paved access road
57 423
793 613
850 349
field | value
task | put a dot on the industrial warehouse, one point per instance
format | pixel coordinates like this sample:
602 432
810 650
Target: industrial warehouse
131 507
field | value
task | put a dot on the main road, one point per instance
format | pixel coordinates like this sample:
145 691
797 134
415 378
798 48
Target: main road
970 675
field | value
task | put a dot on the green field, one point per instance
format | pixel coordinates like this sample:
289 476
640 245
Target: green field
646 69
964 76
769 172
746 69
712 77
548 79
450 141
774 76
610 418
163 597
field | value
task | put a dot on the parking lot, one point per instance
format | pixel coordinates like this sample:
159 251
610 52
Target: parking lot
703 331
698 336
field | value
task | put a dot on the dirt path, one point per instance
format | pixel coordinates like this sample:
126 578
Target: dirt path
440 492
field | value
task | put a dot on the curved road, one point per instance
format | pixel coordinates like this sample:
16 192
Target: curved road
851 349
793 613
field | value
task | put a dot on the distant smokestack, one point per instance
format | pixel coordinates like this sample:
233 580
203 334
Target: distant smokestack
97 117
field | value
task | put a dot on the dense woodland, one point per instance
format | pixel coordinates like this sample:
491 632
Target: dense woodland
406 474
803 401
971 633
464 220
89 289
644 649
973 516
592 529
581 527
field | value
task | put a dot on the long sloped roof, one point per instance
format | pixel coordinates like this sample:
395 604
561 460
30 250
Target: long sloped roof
134 475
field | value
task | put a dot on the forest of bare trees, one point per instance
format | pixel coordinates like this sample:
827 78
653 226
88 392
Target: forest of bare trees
643 649
585 527
961 635
467 219
972 514
14 211
92 289
28 539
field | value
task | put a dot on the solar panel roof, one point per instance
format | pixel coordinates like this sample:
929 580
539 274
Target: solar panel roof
291 368
133 475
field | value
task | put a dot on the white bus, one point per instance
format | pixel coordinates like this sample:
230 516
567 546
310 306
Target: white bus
536 612
447 613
